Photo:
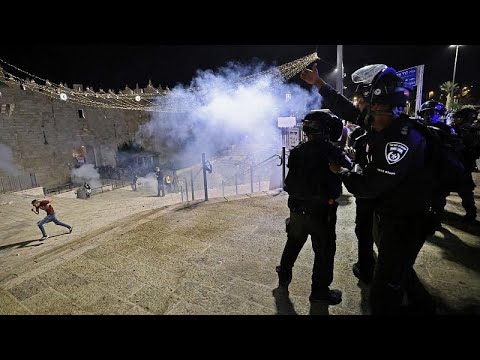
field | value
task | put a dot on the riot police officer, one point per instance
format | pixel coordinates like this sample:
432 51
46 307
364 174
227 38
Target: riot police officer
431 111
363 268
464 123
452 175
398 176
312 190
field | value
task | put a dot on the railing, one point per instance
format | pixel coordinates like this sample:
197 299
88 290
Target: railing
115 184
256 177
58 189
223 178
17 183
106 183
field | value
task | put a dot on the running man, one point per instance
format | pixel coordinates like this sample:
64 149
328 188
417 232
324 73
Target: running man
48 208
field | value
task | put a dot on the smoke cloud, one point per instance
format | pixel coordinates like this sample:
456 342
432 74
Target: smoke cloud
231 106
7 163
86 173
148 184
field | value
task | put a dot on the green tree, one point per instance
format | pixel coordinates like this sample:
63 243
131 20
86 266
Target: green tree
446 88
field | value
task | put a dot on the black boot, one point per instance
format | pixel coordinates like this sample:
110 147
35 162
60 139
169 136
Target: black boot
284 277
365 276
327 296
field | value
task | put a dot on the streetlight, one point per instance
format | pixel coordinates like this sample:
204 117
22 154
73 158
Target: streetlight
454 71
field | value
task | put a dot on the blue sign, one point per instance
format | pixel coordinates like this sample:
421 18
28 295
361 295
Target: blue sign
409 76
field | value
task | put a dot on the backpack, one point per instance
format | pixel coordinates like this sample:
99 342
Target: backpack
443 157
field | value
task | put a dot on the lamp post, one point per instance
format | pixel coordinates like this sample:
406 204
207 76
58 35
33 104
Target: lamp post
339 69
454 71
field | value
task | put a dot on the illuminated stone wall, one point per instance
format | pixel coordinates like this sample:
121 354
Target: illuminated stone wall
43 133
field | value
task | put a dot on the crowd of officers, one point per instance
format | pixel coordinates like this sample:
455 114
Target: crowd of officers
388 165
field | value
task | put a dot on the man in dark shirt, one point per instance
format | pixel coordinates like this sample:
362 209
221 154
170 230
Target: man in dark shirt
46 205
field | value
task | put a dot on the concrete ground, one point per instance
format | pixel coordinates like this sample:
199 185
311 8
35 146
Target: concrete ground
133 253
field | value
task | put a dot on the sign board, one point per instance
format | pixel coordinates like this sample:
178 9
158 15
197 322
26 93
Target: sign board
409 76
293 137
284 122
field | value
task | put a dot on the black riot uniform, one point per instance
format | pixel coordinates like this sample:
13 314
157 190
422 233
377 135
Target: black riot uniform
467 129
359 139
399 178
452 175
312 190
363 268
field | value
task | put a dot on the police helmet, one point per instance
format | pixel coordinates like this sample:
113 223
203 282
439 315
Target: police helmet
433 106
381 85
323 122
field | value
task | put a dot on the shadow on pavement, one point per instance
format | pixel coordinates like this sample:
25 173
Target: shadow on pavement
285 306
456 250
24 244
364 298
190 206
456 221
282 302
472 307
318 309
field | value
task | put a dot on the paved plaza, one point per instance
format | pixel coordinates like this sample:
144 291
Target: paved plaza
135 253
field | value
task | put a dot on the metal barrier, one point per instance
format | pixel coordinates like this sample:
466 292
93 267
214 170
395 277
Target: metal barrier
58 189
115 184
257 174
17 183
226 178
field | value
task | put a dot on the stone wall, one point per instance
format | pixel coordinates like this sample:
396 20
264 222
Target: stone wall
43 132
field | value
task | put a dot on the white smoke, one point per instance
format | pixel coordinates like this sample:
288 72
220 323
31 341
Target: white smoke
224 108
148 184
7 164
86 173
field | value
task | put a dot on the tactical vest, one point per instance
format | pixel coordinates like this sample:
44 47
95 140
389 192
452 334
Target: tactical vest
309 177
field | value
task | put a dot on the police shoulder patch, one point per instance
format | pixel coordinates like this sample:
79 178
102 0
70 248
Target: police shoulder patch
394 152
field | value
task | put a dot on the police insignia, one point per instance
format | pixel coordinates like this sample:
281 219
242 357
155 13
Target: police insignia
394 152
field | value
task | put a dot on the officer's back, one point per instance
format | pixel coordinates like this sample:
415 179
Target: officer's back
309 181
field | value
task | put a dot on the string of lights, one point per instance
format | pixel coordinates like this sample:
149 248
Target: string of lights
151 100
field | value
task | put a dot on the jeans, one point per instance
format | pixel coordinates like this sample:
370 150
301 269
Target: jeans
48 219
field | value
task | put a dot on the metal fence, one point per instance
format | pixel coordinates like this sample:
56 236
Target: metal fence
105 186
17 183
223 177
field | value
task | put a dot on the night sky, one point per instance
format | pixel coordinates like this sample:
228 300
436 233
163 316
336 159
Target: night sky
116 65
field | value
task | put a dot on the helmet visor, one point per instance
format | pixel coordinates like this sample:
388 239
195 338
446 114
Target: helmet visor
366 74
